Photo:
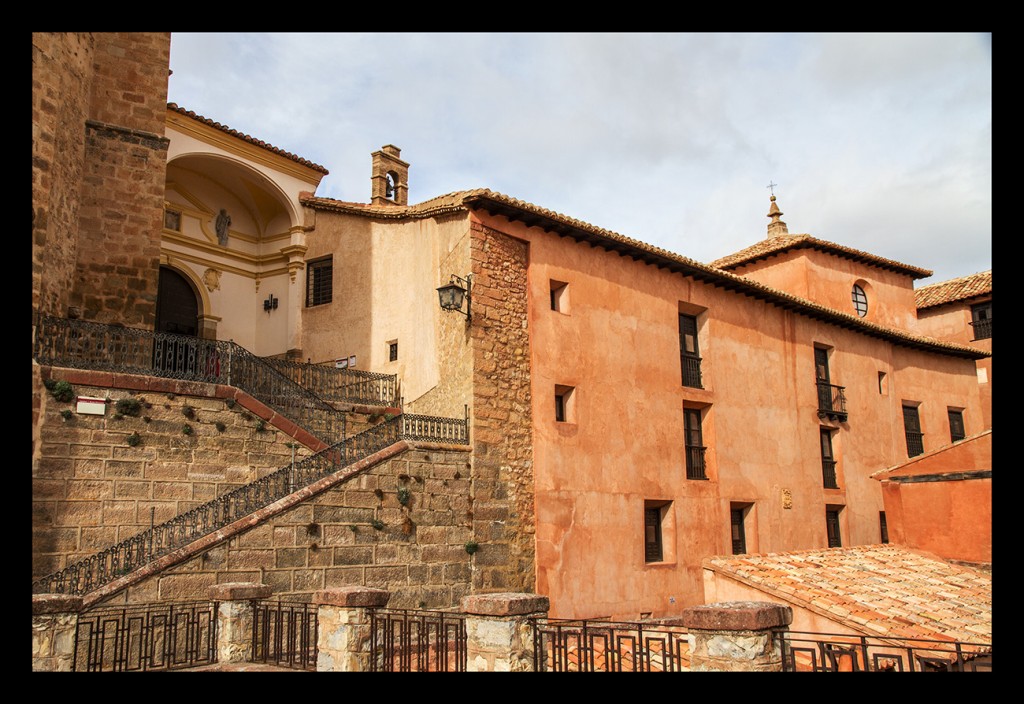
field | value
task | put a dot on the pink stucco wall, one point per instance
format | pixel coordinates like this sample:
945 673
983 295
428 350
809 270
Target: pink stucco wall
622 444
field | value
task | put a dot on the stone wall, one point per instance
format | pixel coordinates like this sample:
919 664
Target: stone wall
503 518
91 488
122 188
357 533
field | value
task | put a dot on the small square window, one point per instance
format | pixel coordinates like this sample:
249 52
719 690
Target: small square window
564 403
393 351
560 296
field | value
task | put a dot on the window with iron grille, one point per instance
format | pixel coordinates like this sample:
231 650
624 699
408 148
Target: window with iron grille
319 285
689 351
981 320
912 429
956 425
739 536
828 460
393 351
654 514
860 300
832 527
695 449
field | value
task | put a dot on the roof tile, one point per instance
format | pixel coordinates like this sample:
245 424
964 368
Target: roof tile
954 290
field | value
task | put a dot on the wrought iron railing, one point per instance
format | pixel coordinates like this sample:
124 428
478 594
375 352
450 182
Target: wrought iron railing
285 634
81 344
982 329
695 468
342 385
831 400
417 641
828 472
146 637
829 652
125 557
609 646
915 443
691 372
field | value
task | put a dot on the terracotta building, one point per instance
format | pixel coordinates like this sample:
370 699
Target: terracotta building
630 411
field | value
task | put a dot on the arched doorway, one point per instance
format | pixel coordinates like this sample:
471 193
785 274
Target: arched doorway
177 308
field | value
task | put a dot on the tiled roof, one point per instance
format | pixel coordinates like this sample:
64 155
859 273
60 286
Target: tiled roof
532 215
246 138
878 590
776 245
954 290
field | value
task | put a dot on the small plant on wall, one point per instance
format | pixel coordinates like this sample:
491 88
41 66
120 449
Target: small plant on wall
188 412
220 427
186 429
66 414
472 547
404 495
60 390
128 407
377 524
134 439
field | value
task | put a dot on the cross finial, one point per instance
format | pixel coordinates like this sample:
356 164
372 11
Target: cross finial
771 186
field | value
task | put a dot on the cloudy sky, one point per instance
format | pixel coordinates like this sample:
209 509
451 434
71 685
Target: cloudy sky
880 142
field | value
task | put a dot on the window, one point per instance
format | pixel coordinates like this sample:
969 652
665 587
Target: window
689 351
828 460
172 220
883 384
883 527
658 531
739 536
912 429
563 403
694 444
832 526
831 398
956 425
981 319
393 351
559 296
860 300
319 286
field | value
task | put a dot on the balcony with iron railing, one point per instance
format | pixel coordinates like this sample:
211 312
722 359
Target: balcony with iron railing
982 329
831 401
691 372
915 443
695 467
828 471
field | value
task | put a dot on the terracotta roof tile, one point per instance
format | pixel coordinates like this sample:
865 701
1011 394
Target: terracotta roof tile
782 243
246 138
485 198
965 287
883 590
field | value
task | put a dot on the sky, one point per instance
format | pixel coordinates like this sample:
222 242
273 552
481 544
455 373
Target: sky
879 142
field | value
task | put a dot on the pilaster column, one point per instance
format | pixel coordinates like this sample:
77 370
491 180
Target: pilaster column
234 618
499 632
737 636
344 635
54 621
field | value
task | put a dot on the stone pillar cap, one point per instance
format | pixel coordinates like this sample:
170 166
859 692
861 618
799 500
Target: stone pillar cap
55 604
352 596
737 616
238 591
504 604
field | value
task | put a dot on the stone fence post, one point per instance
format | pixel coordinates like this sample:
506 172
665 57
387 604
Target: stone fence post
54 621
344 634
499 634
234 618
737 636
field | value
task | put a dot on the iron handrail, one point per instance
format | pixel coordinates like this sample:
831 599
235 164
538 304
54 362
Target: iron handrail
81 344
342 385
832 652
831 400
133 553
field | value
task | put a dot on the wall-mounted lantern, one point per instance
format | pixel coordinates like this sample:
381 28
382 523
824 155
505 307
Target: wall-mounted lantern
456 291
270 304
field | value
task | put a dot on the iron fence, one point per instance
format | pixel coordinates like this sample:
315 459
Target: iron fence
609 646
342 385
146 638
435 429
285 634
80 344
829 652
417 641
828 474
695 468
691 372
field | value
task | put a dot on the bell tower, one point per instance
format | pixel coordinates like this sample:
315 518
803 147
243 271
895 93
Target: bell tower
390 177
